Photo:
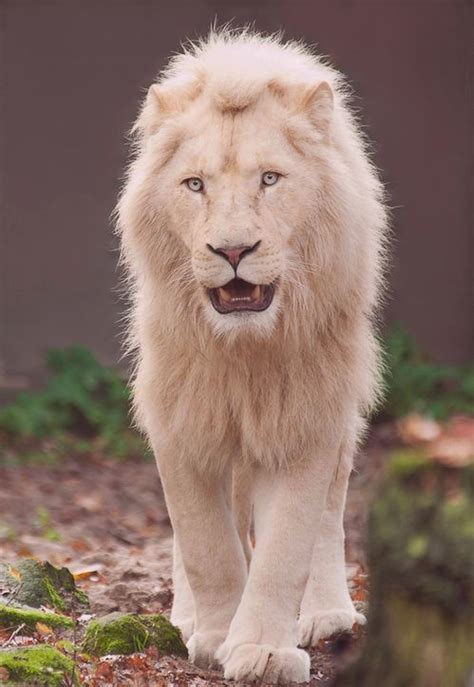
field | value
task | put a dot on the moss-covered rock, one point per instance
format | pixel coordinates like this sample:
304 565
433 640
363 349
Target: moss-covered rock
38 665
422 533
122 633
11 617
421 557
36 583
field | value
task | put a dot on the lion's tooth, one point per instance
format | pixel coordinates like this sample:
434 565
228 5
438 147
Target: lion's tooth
224 296
256 293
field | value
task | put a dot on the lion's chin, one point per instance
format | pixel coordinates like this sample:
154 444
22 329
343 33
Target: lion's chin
240 296
240 324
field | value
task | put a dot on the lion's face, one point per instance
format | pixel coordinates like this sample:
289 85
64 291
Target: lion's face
237 191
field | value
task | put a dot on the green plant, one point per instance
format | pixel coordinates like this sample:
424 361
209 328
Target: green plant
128 633
82 398
415 384
45 525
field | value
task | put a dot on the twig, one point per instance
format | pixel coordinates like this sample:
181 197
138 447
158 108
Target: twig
70 680
14 634
14 594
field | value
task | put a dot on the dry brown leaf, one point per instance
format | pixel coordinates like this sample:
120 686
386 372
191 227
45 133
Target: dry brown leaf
418 429
4 674
462 427
90 502
136 662
360 595
104 670
25 551
452 451
4 636
360 579
87 572
14 573
43 629
80 545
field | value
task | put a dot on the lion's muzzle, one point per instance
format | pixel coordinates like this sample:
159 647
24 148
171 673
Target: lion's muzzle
240 296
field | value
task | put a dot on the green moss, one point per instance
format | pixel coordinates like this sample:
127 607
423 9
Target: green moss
81 597
121 633
430 643
11 617
37 665
35 583
421 557
408 462
422 535
412 645
53 596
66 646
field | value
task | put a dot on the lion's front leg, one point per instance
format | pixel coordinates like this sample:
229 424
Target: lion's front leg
327 607
212 555
183 610
262 640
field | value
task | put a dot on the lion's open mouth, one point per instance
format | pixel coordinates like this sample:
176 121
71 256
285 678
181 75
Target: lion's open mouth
239 295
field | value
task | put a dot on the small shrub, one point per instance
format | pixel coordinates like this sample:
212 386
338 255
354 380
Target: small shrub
414 383
82 397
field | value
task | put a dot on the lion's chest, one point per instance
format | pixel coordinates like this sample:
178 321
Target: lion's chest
262 409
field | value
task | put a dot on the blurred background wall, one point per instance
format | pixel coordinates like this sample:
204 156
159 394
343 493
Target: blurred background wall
73 72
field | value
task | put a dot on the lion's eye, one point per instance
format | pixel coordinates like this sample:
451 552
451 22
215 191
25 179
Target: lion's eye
194 184
270 178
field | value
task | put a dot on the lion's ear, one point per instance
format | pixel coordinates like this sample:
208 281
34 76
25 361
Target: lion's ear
163 100
315 101
318 103
150 117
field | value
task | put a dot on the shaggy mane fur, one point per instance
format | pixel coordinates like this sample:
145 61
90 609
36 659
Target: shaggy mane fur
292 379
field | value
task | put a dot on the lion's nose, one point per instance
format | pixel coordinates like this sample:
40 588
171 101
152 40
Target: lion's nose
234 254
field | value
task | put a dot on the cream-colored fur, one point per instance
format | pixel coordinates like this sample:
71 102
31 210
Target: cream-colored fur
254 411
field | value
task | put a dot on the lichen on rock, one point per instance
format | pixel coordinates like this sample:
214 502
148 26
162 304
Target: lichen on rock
122 633
38 583
37 665
11 617
421 557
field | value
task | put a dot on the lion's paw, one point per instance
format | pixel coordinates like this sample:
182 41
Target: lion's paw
202 647
312 628
249 662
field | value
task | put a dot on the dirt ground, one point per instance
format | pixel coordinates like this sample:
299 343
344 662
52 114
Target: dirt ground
106 520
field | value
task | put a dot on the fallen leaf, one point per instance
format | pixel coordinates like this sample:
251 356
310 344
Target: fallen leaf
43 629
90 502
418 429
462 427
137 662
104 670
88 572
25 551
451 451
360 595
14 573
80 545
4 674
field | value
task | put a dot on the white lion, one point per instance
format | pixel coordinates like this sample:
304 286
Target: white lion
252 227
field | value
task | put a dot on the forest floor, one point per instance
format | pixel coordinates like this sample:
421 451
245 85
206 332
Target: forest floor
106 520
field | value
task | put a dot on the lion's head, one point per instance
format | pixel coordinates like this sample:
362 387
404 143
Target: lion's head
251 200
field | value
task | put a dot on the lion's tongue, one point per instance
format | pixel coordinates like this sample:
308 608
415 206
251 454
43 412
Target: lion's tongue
239 291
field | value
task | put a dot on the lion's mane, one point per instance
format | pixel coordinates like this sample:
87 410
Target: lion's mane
269 397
